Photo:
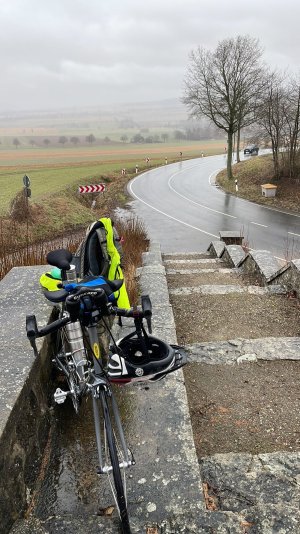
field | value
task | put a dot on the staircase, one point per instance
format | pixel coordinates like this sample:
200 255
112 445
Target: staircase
240 391
242 384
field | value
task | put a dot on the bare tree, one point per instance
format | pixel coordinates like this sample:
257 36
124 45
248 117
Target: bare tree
46 141
292 126
224 85
165 137
74 140
16 142
63 139
271 117
90 138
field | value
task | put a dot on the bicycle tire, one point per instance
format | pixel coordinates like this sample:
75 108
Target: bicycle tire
117 477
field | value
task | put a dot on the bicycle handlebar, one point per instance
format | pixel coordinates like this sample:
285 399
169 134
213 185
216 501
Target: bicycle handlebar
145 311
32 328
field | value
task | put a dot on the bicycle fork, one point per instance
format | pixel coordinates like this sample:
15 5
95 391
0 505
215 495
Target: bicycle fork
99 388
126 462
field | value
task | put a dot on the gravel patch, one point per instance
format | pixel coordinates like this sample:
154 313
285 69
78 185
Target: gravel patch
221 317
250 407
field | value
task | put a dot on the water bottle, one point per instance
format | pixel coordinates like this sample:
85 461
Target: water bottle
75 336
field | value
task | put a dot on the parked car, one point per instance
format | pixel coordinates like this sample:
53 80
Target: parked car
251 149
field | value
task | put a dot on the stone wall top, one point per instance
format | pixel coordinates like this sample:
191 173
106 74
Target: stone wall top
20 295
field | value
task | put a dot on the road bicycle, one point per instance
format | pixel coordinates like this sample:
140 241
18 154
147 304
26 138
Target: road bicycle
139 356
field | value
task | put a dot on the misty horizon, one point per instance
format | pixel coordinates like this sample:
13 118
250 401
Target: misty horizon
70 55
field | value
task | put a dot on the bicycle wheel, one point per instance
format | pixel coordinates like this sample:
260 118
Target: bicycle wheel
119 491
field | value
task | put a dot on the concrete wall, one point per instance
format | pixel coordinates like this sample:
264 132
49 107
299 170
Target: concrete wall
260 263
24 379
289 277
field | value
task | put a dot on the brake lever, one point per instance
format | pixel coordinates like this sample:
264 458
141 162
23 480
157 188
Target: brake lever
32 331
147 310
149 324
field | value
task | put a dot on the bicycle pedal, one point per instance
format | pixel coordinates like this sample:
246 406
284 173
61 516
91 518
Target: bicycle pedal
60 396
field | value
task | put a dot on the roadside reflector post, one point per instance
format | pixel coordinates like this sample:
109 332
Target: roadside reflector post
96 188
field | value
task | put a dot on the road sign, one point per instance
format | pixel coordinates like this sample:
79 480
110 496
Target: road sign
26 180
98 188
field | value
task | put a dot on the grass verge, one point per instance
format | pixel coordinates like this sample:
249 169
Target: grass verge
252 174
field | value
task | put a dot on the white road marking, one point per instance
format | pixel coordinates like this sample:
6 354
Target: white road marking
193 201
214 172
199 229
292 233
166 214
258 224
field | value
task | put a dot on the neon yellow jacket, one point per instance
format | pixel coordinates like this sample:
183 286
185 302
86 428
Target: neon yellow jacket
115 272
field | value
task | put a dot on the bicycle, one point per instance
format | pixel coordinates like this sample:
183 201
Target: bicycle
138 356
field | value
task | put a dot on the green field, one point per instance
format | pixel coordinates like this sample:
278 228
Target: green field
52 169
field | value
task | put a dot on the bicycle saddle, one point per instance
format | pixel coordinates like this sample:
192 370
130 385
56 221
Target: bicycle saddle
60 258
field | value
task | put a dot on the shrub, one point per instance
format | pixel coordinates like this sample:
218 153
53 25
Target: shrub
20 210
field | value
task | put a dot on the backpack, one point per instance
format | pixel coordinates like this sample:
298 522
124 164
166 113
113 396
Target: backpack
100 254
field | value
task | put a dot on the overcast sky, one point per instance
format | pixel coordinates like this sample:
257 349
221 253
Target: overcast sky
63 53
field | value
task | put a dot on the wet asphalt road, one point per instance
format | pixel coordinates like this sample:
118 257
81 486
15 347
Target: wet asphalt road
184 211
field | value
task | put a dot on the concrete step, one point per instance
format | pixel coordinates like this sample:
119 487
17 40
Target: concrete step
226 289
245 350
200 262
222 312
180 271
199 277
186 255
217 522
261 489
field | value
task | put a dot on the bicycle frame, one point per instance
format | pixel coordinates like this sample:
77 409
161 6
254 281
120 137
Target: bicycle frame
113 454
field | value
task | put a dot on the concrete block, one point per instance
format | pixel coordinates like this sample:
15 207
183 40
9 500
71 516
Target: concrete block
288 276
216 248
261 263
233 254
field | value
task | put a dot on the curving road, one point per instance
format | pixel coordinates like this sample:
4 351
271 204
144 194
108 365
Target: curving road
184 210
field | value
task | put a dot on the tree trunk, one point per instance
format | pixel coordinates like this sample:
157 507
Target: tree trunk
275 160
238 140
294 138
229 156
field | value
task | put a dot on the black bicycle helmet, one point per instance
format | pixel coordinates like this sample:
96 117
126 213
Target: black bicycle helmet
140 360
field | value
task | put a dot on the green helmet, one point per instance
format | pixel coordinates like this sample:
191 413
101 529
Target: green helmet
51 280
